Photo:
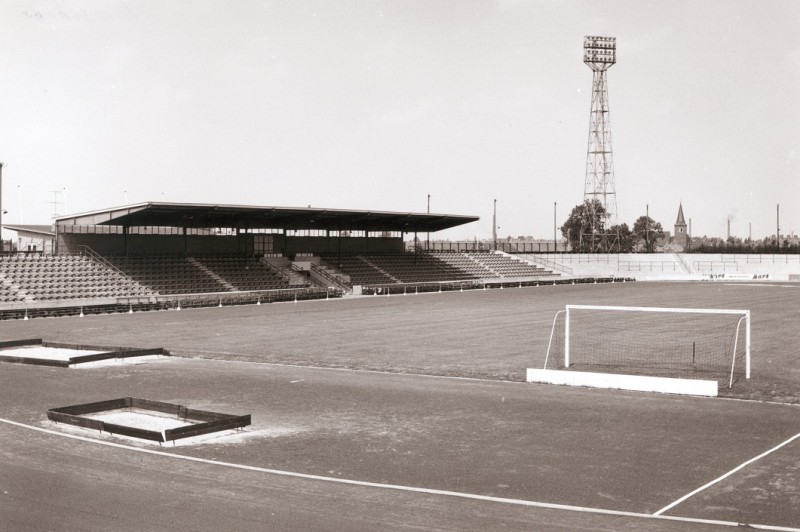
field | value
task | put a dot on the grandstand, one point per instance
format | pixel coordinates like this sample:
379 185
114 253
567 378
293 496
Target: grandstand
160 254
165 253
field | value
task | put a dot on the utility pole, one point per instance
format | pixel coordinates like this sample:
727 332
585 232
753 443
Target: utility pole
56 202
778 231
647 228
555 241
494 225
428 242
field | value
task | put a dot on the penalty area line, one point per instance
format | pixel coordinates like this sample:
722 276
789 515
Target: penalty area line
395 487
726 475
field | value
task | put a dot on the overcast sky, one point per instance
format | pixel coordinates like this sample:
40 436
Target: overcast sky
375 105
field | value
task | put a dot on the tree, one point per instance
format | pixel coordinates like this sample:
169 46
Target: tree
625 239
585 223
647 231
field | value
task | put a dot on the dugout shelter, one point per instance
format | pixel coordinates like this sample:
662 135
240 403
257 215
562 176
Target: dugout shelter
194 228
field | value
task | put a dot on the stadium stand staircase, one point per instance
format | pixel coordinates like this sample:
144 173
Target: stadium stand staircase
322 273
686 266
225 283
326 278
96 257
341 277
283 266
359 271
379 269
243 273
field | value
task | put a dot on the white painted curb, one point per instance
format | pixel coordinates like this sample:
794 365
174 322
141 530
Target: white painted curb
623 382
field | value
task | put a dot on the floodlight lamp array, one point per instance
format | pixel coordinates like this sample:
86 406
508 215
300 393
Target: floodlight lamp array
600 51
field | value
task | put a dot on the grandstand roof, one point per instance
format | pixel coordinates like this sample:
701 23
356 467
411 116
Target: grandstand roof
34 231
197 215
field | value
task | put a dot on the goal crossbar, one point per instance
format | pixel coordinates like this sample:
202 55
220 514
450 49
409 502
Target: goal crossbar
744 313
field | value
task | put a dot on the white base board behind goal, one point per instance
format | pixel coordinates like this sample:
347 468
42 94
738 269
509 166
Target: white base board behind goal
623 382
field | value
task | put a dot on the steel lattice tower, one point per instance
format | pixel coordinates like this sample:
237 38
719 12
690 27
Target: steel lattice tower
599 53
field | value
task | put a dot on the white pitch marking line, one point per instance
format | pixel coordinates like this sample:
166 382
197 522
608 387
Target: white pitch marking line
410 489
726 475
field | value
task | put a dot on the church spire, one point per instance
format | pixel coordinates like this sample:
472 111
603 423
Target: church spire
681 238
681 220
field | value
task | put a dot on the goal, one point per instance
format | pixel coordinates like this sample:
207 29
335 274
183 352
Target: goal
685 343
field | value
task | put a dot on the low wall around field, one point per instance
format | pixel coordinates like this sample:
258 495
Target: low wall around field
678 266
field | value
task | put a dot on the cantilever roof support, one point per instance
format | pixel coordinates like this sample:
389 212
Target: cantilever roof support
339 244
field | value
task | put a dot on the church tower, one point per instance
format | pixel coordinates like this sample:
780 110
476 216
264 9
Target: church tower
681 237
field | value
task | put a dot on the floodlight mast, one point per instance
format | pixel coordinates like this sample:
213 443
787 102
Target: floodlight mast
599 53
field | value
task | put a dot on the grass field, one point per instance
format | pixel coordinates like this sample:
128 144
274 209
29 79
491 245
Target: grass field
492 334
415 450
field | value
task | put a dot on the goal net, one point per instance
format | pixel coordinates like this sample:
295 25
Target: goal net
711 344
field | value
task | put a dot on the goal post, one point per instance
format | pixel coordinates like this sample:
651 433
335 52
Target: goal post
743 314
652 341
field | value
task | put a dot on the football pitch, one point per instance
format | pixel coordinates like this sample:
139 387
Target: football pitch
404 412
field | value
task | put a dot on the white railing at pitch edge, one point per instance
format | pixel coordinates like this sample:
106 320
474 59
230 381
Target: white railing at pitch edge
744 313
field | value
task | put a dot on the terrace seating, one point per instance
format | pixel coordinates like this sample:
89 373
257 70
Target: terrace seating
360 271
466 263
9 295
397 268
503 265
417 268
167 274
434 267
55 277
245 273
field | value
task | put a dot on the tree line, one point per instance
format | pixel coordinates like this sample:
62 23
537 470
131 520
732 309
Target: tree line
586 232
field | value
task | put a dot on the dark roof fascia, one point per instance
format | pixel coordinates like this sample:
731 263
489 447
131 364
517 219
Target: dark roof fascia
263 217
